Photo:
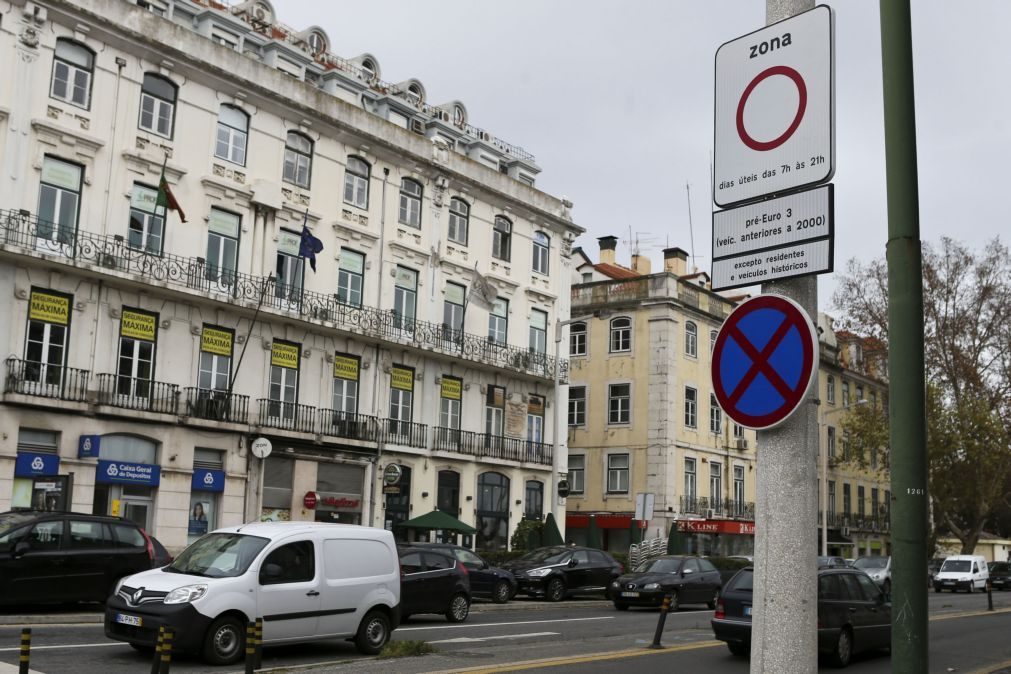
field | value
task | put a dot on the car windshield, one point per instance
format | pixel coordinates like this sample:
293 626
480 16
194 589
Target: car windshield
956 565
11 521
659 566
1000 567
743 581
545 555
871 563
219 556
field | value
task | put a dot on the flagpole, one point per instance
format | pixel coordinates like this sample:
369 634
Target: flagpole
245 344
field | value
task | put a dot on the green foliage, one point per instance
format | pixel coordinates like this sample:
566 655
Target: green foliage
864 438
727 564
528 535
405 649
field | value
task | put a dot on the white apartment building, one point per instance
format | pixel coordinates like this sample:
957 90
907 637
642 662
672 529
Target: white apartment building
146 354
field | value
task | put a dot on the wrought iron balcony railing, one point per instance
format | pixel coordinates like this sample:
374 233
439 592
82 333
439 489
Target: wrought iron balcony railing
46 380
407 433
135 393
216 405
348 425
287 416
25 231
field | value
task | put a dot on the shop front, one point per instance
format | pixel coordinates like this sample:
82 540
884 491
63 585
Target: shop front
717 538
339 493
127 476
617 530
205 493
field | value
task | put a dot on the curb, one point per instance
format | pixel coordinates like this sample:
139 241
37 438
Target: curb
52 619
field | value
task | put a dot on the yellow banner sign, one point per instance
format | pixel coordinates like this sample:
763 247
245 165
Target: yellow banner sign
402 378
284 355
216 341
49 308
138 326
452 388
345 367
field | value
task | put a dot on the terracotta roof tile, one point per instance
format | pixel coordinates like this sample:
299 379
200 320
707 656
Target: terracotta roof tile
615 271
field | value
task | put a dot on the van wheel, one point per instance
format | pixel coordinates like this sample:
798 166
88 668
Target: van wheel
459 609
972 586
373 633
500 594
224 641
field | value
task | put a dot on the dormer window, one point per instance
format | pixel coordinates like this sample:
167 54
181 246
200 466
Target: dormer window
317 43
414 94
369 69
459 115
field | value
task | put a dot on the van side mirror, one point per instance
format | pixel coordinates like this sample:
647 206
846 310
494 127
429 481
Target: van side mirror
270 573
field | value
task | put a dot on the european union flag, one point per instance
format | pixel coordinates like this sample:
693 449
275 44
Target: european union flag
309 246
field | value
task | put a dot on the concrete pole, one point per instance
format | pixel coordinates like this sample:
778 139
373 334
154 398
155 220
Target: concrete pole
784 635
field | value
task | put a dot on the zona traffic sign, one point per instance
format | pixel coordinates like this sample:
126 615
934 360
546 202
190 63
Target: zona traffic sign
763 361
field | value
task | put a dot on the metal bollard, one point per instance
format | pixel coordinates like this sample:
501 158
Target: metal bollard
989 595
166 652
26 650
259 643
250 647
664 608
156 662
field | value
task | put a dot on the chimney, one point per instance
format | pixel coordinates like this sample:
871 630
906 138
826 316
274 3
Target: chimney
675 261
640 264
607 246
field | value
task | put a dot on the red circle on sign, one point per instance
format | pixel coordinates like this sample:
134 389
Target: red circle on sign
786 71
309 500
794 317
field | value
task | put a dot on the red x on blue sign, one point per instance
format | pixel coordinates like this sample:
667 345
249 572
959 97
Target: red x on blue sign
763 361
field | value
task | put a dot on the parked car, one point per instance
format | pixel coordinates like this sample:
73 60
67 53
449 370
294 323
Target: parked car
308 580
48 557
879 568
688 580
433 582
831 562
556 572
962 572
933 566
1000 575
486 581
162 557
854 615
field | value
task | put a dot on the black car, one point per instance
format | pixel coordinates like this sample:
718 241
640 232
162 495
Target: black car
1000 575
832 562
431 582
557 572
48 557
853 614
688 580
486 581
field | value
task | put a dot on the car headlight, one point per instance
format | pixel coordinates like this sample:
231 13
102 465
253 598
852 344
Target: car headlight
615 583
538 573
185 594
966 578
651 586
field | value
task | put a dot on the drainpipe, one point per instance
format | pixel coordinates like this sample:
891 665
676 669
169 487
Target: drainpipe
120 64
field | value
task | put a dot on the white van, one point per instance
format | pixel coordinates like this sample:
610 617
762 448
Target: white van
307 580
962 572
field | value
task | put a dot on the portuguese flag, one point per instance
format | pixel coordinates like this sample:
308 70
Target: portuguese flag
165 197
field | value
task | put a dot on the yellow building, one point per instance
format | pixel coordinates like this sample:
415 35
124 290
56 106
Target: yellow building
642 415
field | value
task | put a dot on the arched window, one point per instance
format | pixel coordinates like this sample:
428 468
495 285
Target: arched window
73 65
410 202
157 105
492 511
502 236
398 506
459 221
448 501
533 508
577 339
712 340
621 334
542 247
691 339
356 182
297 159
233 129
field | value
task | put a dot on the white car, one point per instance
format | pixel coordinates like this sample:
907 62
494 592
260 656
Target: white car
306 580
879 568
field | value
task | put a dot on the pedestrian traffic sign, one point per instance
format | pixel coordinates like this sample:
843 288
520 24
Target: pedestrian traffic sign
763 361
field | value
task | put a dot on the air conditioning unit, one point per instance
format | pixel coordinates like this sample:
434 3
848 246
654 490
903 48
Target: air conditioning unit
709 513
417 126
742 443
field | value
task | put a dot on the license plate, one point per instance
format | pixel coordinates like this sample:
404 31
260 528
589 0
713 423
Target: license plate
747 610
136 621
949 582
629 594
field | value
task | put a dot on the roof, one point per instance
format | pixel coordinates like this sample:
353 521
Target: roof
615 271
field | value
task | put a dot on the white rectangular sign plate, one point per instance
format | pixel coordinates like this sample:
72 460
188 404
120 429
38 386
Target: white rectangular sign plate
802 259
774 109
773 223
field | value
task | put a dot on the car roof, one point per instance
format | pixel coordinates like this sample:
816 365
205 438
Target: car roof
33 515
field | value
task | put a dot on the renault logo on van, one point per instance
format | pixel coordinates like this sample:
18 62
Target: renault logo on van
135 599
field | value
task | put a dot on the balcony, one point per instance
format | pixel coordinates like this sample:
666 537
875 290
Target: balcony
287 416
216 405
722 508
22 230
43 380
135 393
407 433
588 297
349 425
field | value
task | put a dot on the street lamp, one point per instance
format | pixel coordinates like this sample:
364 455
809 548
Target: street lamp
824 477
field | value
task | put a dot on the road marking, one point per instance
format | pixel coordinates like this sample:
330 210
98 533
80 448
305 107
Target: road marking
469 640
48 648
525 622
968 614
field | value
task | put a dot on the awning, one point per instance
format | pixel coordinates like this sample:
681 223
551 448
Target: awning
437 521
604 521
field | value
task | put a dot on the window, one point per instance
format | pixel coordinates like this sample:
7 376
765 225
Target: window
538 331
398 506
450 402
494 411
846 394
356 183
830 390
542 249
459 221
831 497
691 407
617 473
73 65
492 511
146 225
448 498
831 444
715 484
690 490
712 340
874 502
577 473
860 393
860 500
401 399
405 298
846 446
290 267
45 348
297 160
502 236
137 335
691 339
874 458
157 105
282 390
452 310
577 339
350 277
59 203
222 246
846 498
621 335
410 203
619 398
498 321
345 385
215 369
715 415
739 506
738 432
296 561
577 406
533 507
233 127
535 424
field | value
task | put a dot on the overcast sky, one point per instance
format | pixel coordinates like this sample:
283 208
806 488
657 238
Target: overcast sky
615 100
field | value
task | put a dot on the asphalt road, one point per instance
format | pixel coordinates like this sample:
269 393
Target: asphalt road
526 631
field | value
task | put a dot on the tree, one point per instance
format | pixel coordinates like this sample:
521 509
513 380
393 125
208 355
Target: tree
967 356
865 437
